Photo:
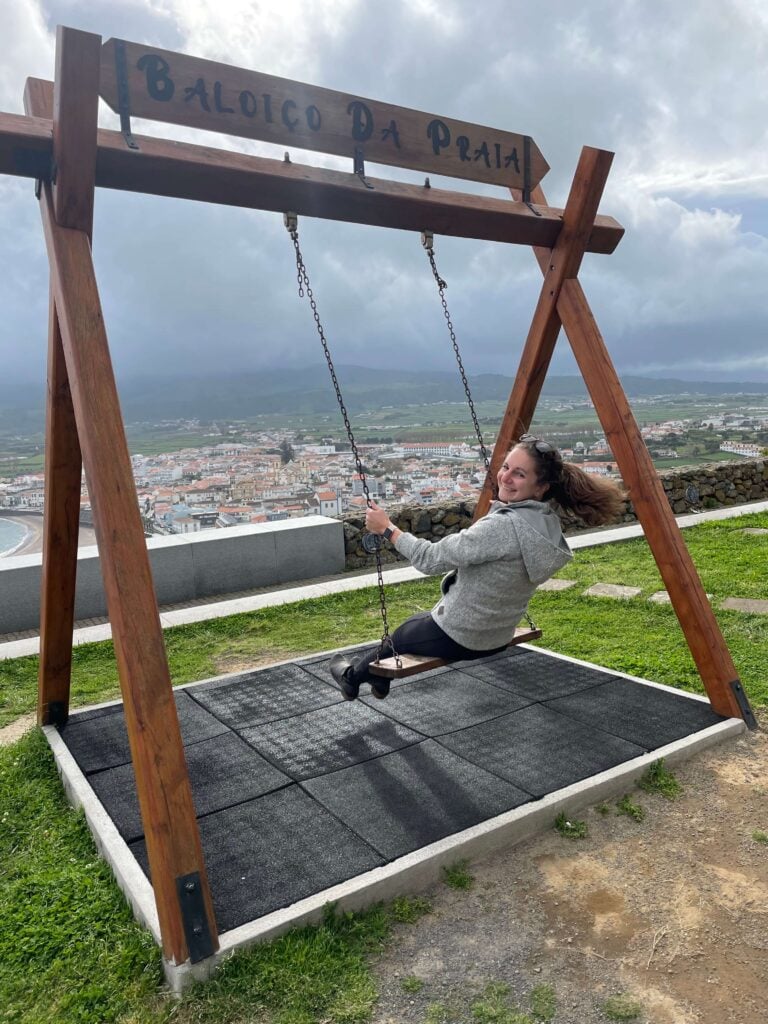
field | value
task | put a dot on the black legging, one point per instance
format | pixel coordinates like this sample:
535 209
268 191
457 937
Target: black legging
419 634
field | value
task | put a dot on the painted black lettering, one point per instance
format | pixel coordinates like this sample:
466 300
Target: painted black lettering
313 117
159 83
512 159
199 90
483 154
391 132
497 148
220 109
439 134
267 107
289 123
463 144
362 121
248 105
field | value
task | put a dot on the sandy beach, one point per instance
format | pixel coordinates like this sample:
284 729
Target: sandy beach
32 544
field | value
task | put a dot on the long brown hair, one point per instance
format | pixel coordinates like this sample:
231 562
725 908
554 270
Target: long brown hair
593 499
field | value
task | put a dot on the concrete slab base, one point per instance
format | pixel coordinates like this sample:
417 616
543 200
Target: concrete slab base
335 771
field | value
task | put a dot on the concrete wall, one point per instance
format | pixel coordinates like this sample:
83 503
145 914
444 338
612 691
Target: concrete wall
198 565
718 484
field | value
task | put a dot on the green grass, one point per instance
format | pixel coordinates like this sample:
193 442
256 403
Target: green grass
621 1007
759 836
659 779
407 909
456 876
632 810
543 1003
570 828
412 984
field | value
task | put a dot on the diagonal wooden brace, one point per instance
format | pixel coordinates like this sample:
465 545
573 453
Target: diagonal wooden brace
569 306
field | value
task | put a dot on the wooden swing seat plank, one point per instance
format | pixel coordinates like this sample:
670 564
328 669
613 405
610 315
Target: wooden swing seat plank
413 664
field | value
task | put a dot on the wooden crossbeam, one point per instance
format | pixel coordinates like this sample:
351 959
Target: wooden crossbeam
167 168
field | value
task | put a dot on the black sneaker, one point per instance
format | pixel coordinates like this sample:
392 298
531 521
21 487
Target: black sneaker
380 689
340 668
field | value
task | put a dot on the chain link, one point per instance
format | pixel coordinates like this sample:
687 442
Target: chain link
305 288
441 286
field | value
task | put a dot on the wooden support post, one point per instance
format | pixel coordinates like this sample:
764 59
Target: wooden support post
162 781
72 104
61 528
562 262
694 612
698 622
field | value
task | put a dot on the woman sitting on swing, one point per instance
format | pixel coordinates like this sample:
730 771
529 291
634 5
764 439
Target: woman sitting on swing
494 566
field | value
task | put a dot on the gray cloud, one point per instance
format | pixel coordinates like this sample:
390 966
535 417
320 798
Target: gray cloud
677 92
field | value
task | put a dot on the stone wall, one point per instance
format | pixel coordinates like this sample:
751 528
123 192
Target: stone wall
712 486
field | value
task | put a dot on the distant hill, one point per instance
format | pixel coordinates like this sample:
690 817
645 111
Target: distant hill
309 390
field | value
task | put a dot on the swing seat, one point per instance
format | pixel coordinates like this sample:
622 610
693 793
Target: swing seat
413 664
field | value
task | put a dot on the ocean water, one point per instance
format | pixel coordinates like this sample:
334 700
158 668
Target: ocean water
11 534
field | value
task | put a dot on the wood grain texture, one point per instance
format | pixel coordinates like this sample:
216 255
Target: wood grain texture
162 781
180 170
693 610
75 113
177 88
61 515
61 528
563 261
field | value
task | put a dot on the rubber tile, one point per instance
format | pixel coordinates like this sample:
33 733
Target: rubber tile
447 702
328 739
223 771
642 714
413 797
540 750
272 851
537 676
100 740
264 696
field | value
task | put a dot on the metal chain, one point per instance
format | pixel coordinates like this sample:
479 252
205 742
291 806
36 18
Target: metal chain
428 243
305 288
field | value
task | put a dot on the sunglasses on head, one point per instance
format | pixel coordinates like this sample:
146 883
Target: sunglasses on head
542 447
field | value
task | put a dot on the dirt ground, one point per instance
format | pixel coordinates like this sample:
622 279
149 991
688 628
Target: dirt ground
671 911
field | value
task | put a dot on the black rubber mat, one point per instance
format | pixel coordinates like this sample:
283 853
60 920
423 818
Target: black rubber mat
523 672
98 739
645 715
445 703
414 797
325 740
297 789
270 852
222 771
540 750
264 696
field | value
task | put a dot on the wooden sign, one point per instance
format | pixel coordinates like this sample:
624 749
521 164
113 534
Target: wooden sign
178 89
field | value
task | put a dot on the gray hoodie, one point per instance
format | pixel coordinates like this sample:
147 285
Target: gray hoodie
493 569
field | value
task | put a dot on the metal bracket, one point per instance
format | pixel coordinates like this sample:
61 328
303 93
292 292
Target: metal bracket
58 712
291 222
372 542
527 175
197 931
744 707
358 165
123 96
428 240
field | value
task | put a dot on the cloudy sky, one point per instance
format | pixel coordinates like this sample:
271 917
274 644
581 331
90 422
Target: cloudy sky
679 91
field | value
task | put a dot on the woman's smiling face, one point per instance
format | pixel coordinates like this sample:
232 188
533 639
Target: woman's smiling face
517 478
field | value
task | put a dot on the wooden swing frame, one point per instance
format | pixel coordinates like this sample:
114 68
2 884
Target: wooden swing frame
59 144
